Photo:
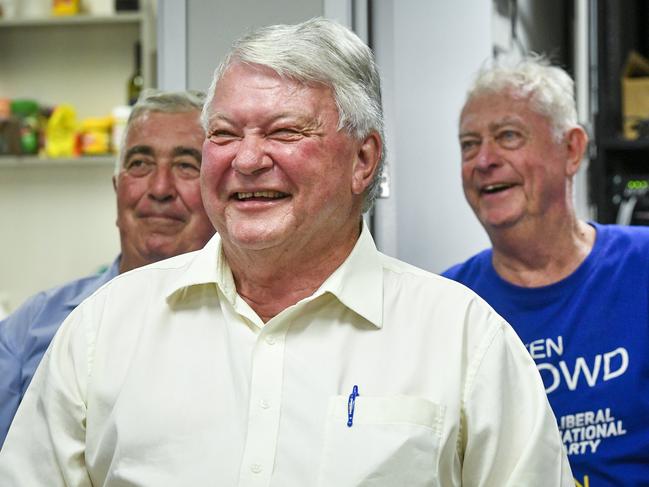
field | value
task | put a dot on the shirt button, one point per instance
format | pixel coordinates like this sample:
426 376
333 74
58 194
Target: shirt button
270 339
264 404
255 468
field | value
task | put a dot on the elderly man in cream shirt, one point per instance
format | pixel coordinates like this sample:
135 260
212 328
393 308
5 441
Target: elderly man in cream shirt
288 351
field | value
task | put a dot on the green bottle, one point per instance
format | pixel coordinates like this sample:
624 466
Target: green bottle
136 81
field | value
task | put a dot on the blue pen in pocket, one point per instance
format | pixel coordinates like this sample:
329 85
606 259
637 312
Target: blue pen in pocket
351 404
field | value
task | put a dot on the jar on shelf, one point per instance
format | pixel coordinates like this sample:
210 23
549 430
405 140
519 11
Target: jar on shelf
9 129
26 111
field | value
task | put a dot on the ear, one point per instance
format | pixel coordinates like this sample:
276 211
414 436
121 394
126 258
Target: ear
115 183
576 143
366 162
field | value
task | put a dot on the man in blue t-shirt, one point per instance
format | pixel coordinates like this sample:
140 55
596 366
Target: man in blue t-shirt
159 214
576 292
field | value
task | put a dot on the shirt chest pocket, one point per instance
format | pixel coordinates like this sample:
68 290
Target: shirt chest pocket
393 441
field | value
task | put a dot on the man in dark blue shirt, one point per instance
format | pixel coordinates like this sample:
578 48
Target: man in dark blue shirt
577 293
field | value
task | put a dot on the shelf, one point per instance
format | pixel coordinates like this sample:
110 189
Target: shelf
35 161
81 19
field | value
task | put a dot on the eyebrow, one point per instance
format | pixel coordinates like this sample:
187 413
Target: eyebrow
299 118
220 116
138 149
177 151
469 134
187 151
494 126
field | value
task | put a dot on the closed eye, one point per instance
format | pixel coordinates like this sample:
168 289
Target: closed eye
286 134
222 136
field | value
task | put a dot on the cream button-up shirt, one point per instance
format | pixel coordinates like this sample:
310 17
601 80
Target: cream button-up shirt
166 377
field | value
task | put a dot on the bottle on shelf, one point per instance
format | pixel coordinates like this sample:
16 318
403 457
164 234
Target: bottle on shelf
122 5
136 81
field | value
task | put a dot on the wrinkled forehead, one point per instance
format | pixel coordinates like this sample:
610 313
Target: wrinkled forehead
166 123
163 132
496 107
151 119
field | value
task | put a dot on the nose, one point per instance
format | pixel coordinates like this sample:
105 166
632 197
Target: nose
251 156
488 155
162 185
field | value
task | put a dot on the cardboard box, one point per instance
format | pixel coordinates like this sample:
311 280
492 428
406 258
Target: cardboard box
635 93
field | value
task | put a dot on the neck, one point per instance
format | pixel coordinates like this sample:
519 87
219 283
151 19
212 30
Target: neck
127 263
271 280
541 253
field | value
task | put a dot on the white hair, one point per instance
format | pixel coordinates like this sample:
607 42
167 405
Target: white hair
549 89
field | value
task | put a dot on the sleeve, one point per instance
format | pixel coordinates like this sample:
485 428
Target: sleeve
510 434
12 338
46 442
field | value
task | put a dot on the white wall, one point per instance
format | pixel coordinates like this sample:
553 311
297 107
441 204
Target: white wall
427 52
57 223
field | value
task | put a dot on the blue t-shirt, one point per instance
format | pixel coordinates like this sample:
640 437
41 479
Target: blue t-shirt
589 336
26 334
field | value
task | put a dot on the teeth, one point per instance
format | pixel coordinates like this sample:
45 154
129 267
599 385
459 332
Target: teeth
496 187
260 194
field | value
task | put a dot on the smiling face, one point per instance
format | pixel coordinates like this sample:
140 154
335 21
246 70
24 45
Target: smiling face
159 208
277 173
513 169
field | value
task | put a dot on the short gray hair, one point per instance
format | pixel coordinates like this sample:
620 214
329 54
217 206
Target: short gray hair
549 89
152 100
319 51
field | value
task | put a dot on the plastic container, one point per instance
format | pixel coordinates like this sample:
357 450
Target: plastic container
95 135
65 7
98 7
120 117
61 132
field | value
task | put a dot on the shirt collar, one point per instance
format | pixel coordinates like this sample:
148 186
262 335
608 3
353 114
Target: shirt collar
207 267
99 280
357 283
